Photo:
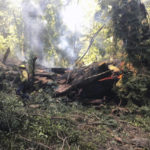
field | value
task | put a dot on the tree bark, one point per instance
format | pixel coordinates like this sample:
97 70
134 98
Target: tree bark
6 55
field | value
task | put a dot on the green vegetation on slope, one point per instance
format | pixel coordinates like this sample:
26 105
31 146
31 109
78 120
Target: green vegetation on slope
46 123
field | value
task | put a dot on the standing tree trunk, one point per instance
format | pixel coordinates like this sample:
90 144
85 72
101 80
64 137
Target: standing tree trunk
31 66
6 55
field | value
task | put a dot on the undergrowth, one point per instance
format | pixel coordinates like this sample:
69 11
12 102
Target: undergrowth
48 123
134 88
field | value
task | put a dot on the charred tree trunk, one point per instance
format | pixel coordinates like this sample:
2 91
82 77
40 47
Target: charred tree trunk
59 70
33 68
81 83
6 55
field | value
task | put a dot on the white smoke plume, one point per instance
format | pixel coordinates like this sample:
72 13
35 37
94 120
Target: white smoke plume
33 27
77 20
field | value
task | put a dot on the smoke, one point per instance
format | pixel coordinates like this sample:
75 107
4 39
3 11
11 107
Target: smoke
33 27
77 16
72 21
145 1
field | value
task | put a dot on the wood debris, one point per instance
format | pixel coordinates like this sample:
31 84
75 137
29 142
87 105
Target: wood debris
90 84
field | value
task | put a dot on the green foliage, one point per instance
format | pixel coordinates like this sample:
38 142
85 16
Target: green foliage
2 43
53 123
130 24
48 122
139 116
135 89
10 112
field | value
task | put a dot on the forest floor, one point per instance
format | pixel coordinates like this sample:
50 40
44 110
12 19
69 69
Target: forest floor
47 123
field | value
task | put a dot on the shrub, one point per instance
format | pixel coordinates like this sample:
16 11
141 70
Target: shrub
135 88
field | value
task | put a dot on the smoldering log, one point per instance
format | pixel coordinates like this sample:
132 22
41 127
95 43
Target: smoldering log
48 76
94 81
85 84
81 83
59 70
98 89
82 73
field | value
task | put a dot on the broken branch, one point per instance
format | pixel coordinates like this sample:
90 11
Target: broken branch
91 42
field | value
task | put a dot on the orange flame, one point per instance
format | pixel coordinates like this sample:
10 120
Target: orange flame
111 77
107 78
120 76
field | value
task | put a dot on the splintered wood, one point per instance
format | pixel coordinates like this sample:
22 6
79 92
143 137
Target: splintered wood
91 82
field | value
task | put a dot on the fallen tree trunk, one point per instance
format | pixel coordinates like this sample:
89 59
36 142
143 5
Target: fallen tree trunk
59 70
81 83
48 76
94 81
71 76
86 84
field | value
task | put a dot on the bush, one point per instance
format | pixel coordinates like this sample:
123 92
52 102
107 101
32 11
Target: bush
135 88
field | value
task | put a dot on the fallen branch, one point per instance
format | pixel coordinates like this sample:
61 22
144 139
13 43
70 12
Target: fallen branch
37 143
44 75
63 140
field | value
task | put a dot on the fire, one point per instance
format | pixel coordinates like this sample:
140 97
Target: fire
107 78
120 76
112 77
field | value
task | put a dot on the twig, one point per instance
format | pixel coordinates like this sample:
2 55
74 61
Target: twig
59 118
63 140
95 123
68 145
37 143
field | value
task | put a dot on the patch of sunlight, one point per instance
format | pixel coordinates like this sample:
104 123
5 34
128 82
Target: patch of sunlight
78 15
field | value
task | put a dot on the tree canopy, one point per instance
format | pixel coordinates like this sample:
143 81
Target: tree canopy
44 28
